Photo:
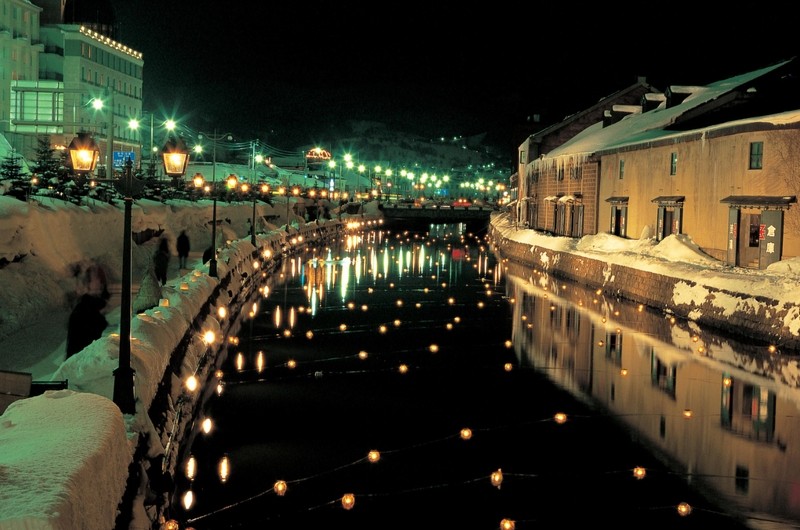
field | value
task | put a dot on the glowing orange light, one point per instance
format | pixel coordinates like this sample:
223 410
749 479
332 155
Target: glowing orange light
508 367
560 417
373 456
687 413
224 469
433 348
508 344
507 524
279 488
403 369
362 355
639 473
191 468
684 509
466 433
291 363
497 478
348 501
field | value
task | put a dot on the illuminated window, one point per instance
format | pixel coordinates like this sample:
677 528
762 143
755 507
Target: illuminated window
673 164
756 155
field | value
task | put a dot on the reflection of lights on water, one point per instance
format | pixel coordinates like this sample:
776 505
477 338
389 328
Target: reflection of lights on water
260 362
239 361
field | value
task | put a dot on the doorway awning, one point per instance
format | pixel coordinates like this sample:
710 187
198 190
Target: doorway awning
669 200
760 201
617 200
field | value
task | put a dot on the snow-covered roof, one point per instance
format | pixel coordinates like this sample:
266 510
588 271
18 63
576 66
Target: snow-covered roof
649 126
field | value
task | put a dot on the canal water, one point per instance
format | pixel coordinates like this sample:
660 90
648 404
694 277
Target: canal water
402 379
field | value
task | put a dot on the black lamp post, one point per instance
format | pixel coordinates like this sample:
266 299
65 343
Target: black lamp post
84 154
212 264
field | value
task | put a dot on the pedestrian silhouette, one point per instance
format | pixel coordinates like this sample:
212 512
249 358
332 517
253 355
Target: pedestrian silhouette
161 261
86 323
183 249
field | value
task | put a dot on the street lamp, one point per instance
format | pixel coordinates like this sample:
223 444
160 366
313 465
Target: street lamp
83 154
212 264
176 158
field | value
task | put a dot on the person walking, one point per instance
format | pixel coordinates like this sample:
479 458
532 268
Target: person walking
183 249
161 261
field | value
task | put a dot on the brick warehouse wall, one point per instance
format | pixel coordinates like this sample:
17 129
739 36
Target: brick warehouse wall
764 321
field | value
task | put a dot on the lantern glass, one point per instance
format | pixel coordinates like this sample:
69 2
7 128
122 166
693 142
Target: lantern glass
83 153
175 163
176 157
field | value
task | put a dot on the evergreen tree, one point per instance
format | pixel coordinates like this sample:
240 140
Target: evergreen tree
16 183
49 166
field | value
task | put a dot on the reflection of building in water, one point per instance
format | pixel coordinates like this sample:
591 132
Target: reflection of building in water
687 394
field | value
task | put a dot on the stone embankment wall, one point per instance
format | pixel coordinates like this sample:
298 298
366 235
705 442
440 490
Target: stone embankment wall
756 318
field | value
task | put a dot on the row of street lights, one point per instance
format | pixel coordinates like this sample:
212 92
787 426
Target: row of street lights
84 154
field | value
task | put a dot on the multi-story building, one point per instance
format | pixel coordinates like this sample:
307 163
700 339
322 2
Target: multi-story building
20 47
716 163
58 75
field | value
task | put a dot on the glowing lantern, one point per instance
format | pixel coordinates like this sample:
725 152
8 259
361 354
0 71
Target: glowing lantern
403 368
433 348
508 367
497 478
291 363
348 501
687 413
560 418
508 344
466 433
373 456
184 286
362 355
171 524
639 473
507 524
684 509
279 488
192 383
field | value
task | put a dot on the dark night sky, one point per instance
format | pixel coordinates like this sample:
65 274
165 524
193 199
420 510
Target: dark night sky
288 73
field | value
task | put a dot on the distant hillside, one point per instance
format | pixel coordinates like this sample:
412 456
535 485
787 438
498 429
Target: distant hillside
375 143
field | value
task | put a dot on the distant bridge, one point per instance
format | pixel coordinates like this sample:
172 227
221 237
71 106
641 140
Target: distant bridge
413 214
